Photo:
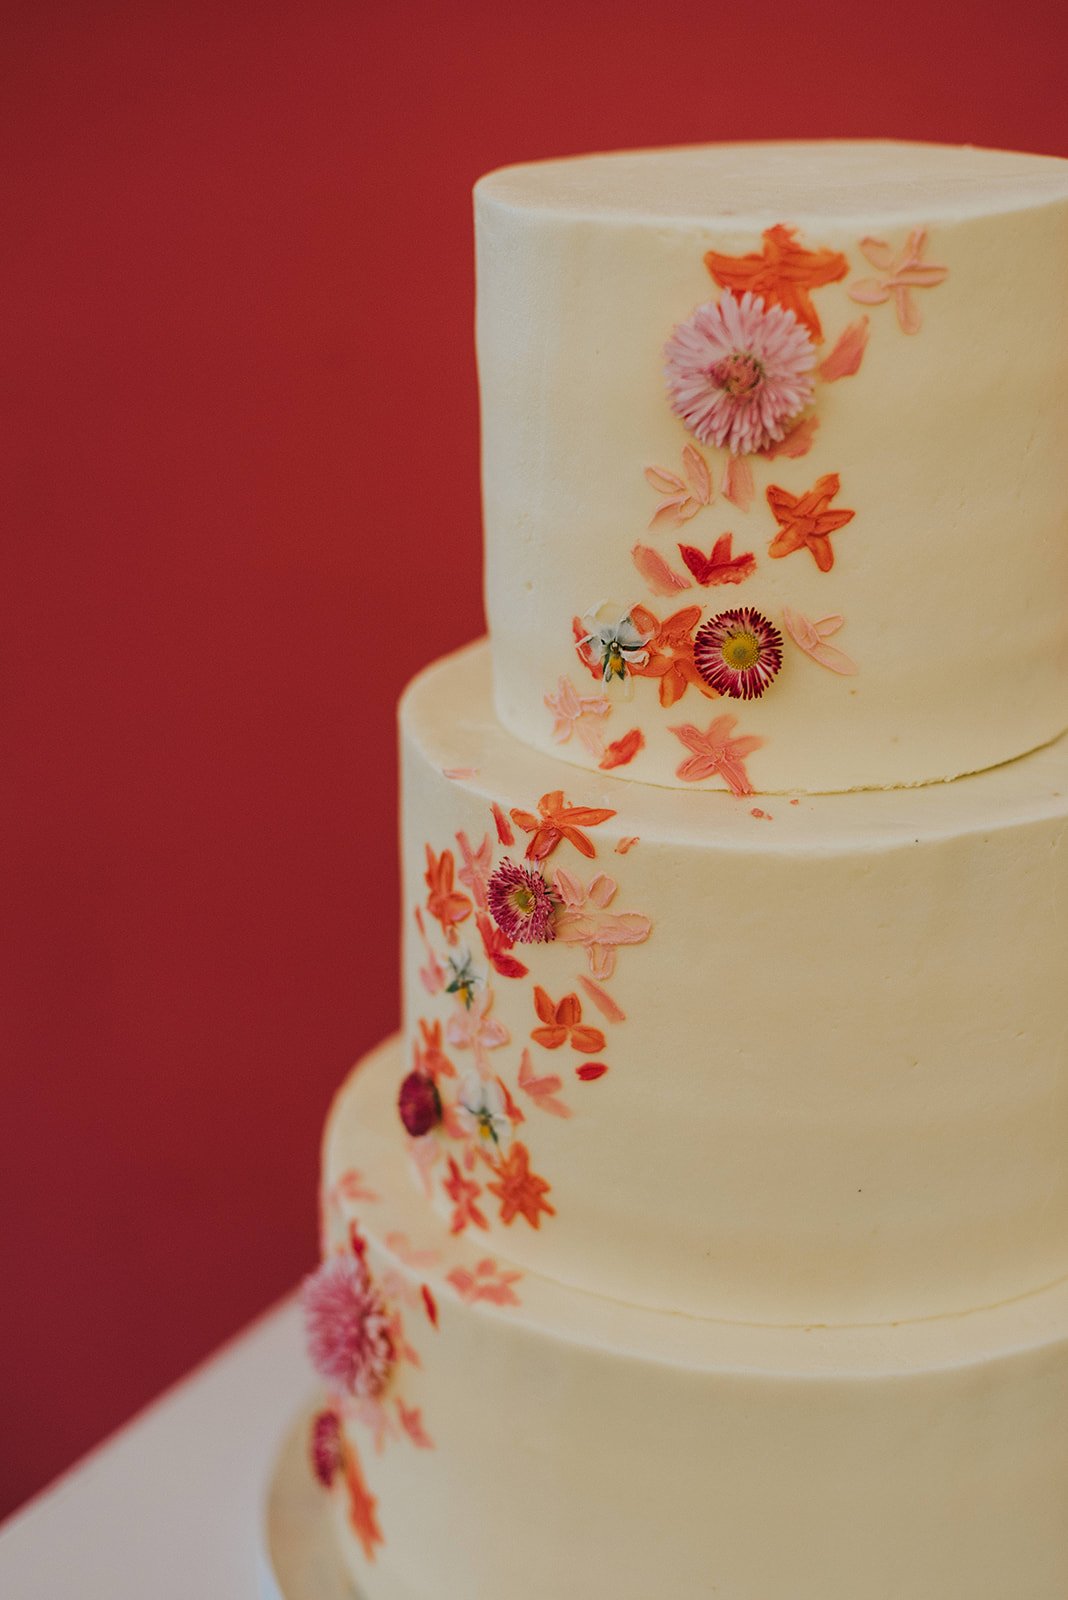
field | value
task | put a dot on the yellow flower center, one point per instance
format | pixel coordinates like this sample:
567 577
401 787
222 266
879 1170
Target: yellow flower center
523 900
741 650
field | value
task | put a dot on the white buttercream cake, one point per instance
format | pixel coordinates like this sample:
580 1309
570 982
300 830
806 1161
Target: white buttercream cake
704 1232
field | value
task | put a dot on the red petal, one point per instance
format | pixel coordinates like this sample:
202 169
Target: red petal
590 1071
431 1305
505 832
621 751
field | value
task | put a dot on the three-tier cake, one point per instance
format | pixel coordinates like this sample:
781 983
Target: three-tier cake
705 1232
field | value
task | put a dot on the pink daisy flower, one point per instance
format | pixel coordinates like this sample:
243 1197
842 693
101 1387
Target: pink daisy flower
327 1451
738 372
348 1327
522 904
738 653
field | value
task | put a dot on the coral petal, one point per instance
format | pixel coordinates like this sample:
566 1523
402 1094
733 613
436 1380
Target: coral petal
659 577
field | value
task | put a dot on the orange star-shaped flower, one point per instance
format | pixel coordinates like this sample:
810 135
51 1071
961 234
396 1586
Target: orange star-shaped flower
563 1022
557 821
444 902
806 521
669 653
782 274
520 1191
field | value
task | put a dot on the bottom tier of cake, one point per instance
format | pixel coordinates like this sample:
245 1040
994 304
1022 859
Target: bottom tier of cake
522 1440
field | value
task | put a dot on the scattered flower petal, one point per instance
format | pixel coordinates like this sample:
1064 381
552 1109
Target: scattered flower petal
498 949
738 483
562 1024
577 714
445 903
658 577
488 1282
411 1420
721 566
542 1090
796 442
627 844
327 1449
844 360
606 1005
478 864
504 828
556 823
590 1071
622 751
464 1193
900 274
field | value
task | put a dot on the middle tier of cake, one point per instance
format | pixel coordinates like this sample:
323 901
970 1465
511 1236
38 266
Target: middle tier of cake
783 1061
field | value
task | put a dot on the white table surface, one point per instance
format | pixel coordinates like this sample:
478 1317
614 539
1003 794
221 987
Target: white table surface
170 1507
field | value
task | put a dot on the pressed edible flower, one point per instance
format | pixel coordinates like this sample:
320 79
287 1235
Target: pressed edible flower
419 1104
348 1327
481 1112
327 1450
521 903
562 1024
738 653
443 901
611 643
739 371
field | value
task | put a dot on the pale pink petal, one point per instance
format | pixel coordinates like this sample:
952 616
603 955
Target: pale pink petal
844 360
402 1247
459 774
878 252
602 960
869 292
827 626
424 1154
655 571
908 310
738 482
627 844
412 1423
570 890
697 473
603 1000
687 511
663 481
921 276
834 660
671 510
601 890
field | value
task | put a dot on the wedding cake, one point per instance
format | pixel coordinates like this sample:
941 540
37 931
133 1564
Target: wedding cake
705 1232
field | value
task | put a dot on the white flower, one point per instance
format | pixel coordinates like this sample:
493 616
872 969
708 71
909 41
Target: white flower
480 1111
612 641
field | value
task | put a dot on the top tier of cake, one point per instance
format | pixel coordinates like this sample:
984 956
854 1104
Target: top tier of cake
773 460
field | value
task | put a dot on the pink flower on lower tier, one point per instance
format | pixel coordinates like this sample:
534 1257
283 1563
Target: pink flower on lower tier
585 919
715 753
739 371
738 653
348 1327
521 903
327 1450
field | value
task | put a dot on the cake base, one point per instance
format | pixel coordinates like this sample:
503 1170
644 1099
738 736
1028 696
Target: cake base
545 1442
299 1557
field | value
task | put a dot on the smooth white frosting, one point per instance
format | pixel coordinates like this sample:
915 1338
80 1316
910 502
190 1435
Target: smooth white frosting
841 1090
584 1447
950 447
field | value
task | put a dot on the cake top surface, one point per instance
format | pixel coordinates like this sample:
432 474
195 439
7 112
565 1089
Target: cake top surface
829 180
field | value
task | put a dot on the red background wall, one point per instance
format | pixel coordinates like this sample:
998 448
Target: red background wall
239 509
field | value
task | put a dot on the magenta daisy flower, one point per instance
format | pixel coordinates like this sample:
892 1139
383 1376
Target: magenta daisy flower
419 1104
348 1327
738 653
327 1451
738 372
522 904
